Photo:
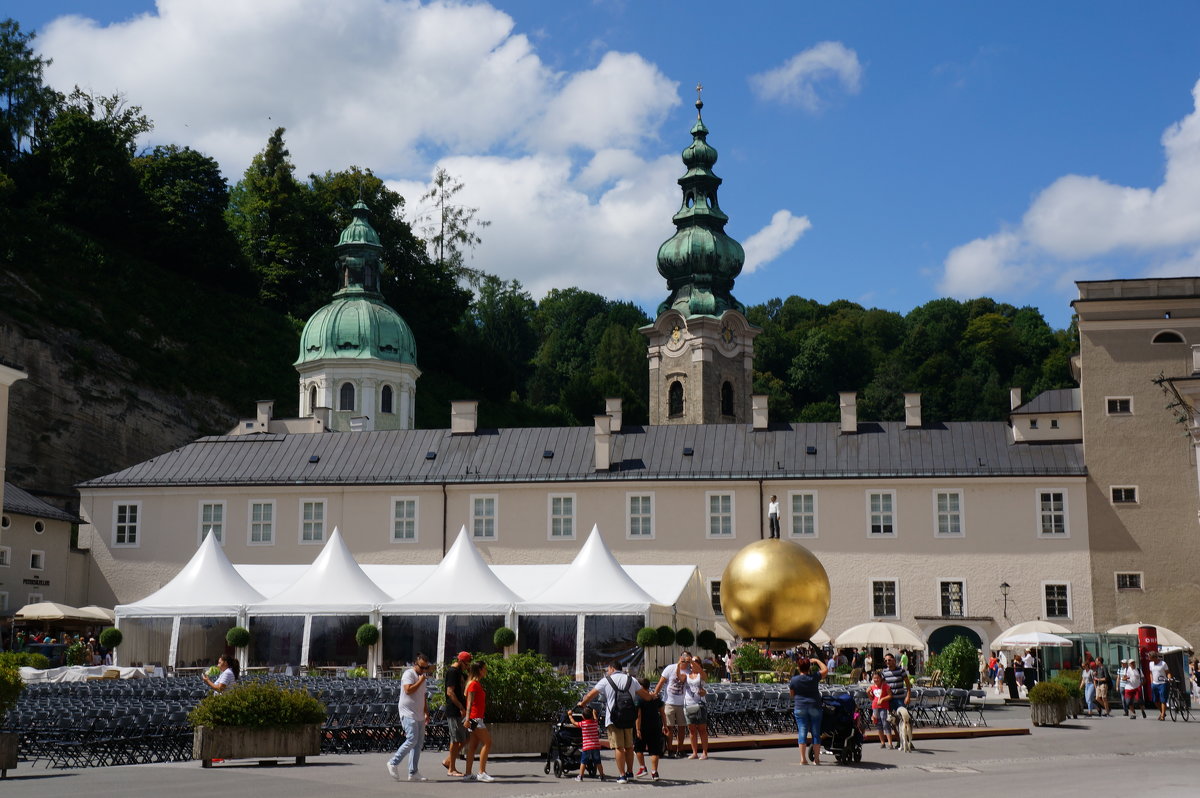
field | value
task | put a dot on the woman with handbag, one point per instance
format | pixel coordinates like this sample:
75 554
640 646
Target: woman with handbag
696 712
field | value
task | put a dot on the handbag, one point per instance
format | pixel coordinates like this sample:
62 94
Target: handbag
696 714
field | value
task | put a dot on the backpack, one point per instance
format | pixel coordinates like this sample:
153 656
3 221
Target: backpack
624 712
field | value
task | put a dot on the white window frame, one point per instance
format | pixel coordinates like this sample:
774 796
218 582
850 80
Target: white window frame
709 495
791 514
1046 604
495 516
416 519
937 513
891 493
301 521
40 556
629 534
551 516
1141 581
137 525
871 595
34 598
1054 423
1066 515
1137 498
250 522
962 598
5 556
1109 412
203 529
711 582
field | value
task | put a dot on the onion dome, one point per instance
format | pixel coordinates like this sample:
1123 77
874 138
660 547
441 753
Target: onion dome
700 261
358 323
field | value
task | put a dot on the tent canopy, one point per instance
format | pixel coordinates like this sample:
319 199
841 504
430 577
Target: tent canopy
333 584
462 583
208 585
594 583
51 611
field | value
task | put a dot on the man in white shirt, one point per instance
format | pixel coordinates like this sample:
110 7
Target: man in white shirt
1159 672
773 516
1131 688
674 678
620 738
414 714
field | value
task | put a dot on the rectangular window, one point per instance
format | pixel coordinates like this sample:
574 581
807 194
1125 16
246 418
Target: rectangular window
714 592
1033 423
212 516
720 515
1058 600
126 518
1052 513
262 523
1054 423
952 602
3 601
804 515
562 517
883 598
948 508
404 520
312 521
1129 580
33 598
1124 495
641 515
881 509
483 517
1119 405
5 556
37 560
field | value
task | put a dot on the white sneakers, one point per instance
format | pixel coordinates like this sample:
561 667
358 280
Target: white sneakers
485 777
414 776
394 771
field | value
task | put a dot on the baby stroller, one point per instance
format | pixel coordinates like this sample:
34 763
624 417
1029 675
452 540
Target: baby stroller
842 728
566 744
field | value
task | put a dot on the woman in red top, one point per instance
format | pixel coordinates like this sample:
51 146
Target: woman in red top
480 737
881 700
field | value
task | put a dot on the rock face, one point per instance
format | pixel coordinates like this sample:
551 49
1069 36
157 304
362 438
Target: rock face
81 413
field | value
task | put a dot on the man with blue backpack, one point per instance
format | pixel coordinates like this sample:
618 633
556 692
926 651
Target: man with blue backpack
620 714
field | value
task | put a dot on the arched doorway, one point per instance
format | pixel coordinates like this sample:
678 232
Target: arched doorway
944 636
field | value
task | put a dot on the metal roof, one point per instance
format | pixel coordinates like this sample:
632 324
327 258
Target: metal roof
719 451
1063 400
20 502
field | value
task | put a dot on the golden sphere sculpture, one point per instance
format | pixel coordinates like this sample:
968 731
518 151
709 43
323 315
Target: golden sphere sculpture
775 590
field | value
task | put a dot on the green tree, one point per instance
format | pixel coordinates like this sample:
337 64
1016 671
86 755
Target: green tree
26 103
452 229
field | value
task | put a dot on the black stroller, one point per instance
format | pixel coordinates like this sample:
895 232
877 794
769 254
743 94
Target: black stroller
842 724
566 744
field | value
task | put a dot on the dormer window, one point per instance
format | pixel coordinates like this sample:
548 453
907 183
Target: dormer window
1033 423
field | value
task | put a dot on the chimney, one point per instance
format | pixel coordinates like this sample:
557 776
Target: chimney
603 438
848 401
612 407
912 410
758 411
1014 398
262 417
464 417
323 415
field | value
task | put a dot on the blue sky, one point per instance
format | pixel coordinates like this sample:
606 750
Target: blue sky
887 153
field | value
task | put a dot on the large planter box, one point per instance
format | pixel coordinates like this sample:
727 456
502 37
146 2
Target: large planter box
520 738
1048 714
8 753
241 742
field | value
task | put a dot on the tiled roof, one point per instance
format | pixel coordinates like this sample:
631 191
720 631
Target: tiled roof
20 502
718 451
1064 400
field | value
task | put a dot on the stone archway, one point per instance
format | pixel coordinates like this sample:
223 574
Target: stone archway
944 635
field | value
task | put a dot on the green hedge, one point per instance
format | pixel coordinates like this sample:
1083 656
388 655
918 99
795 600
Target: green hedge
524 687
258 704
24 659
1048 693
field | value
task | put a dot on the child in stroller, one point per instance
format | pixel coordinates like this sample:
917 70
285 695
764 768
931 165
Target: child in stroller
566 747
841 727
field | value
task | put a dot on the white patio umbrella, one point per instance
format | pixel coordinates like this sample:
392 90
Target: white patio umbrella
1166 637
98 613
1035 640
878 633
1029 626
50 611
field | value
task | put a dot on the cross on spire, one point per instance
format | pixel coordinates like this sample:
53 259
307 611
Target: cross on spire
699 101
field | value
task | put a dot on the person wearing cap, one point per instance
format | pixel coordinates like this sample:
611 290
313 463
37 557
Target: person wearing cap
1131 688
1159 673
455 678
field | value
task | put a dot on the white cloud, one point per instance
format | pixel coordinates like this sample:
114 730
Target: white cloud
773 240
797 80
1085 217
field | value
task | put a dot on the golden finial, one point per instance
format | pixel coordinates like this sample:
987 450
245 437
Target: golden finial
699 101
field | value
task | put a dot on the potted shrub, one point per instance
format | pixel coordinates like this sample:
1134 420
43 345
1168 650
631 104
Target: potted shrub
110 638
503 638
685 638
1048 704
525 694
1070 682
257 720
11 685
366 636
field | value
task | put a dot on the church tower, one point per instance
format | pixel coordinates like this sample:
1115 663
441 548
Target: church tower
358 357
701 346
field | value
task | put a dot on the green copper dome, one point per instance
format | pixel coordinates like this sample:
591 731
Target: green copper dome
700 261
358 323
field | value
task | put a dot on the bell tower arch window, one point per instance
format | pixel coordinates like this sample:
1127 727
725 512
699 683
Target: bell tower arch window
726 398
675 399
346 396
385 400
312 400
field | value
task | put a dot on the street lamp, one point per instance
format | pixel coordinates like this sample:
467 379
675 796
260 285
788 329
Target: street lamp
1004 586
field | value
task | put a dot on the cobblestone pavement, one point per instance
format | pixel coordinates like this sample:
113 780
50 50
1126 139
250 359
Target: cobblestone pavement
1086 756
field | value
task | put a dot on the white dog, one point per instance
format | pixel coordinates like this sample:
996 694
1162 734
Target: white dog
902 723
